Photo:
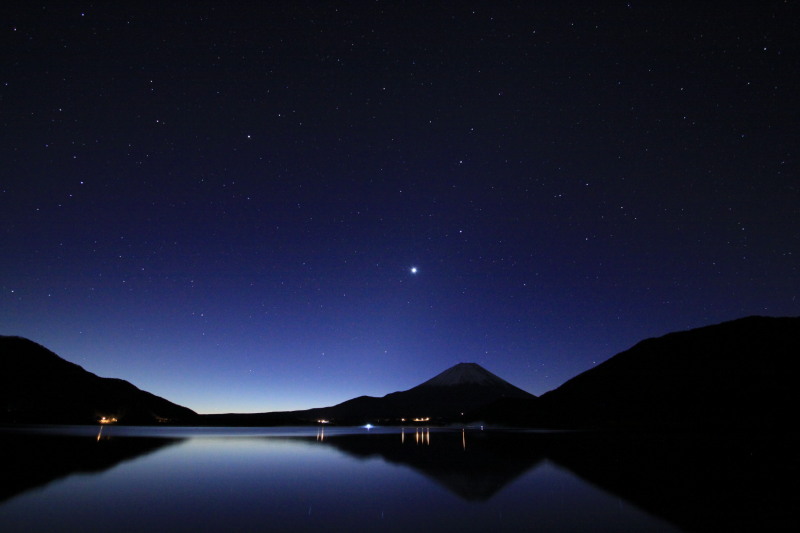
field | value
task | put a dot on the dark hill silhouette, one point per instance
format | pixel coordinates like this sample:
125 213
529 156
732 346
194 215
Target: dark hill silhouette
732 374
38 386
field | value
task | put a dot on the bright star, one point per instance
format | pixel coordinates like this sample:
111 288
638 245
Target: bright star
413 270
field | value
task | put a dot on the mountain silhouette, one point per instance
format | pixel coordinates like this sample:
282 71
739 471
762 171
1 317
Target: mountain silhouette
445 398
733 374
38 386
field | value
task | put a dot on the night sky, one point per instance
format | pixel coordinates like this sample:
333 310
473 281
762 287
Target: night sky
224 202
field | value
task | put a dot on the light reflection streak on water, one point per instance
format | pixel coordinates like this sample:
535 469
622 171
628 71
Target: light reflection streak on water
423 436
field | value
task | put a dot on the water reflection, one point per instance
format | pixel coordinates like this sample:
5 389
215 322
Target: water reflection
698 482
711 483
476 473
30 460
735 482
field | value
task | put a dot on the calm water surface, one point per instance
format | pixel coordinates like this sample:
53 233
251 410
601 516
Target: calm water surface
298 479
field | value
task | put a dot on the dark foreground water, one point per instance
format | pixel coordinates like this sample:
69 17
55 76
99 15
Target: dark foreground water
381 479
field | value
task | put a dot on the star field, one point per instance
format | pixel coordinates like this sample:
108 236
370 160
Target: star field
247 207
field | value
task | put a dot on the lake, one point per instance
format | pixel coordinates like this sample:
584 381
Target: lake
116 478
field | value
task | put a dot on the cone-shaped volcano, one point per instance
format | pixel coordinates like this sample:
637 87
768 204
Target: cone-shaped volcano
446 397
471 374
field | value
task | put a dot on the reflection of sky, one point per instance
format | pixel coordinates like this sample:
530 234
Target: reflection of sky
247 483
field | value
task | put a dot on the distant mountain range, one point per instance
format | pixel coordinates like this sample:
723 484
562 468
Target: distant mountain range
449 396
38 386
734 374
446 398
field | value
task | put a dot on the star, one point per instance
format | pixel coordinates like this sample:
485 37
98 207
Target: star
413 270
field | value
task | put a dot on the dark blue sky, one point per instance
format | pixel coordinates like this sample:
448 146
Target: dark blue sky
221 202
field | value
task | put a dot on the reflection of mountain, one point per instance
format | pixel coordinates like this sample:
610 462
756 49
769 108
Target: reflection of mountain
473 465
31 460
732 482
697 482
37 386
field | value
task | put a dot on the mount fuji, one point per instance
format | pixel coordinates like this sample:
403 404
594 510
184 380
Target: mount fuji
448 397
